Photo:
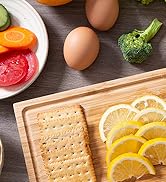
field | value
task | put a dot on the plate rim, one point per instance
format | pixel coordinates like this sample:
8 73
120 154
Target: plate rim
45 58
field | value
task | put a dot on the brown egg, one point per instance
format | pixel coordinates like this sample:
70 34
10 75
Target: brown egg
81 48
102 14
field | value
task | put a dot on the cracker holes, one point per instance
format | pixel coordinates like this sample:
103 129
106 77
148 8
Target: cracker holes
86 172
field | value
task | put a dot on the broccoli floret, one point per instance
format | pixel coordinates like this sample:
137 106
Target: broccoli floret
146 2
134 45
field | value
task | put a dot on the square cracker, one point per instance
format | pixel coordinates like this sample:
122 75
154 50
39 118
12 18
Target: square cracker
71 133
74 170
65 147
62 118
65 144
66 154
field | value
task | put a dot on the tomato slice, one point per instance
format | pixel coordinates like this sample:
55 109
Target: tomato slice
17 67
32 64
13 68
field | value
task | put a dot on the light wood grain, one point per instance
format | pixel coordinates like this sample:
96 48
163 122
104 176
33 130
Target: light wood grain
95 100
57 77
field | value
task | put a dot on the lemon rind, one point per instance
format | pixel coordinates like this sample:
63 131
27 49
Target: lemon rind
118 127
150 143
129 156
106 114
121 141
149 97
149 110
147 127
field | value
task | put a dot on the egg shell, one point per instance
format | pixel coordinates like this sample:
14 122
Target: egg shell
81 48
102 14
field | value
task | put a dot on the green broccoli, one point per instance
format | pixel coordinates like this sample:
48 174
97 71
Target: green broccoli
146 2
134 45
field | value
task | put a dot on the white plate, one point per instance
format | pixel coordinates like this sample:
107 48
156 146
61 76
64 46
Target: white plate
23 14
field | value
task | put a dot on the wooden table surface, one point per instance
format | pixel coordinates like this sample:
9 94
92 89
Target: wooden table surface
57 77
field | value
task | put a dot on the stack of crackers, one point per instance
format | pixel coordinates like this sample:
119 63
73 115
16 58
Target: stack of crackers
65 145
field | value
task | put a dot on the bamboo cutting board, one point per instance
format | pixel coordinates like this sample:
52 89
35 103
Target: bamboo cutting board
95 100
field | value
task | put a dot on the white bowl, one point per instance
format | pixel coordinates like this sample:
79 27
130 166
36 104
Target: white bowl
23 14
1 156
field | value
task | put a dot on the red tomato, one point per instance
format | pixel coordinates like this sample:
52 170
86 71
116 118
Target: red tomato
17 67
32 64
13 68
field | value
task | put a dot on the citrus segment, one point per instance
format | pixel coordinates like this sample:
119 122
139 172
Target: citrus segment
149 101
123 145
155 151
152 130
115 115
129 165
151 115
121 130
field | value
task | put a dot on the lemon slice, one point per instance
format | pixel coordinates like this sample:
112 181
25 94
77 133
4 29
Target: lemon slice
121 130
152 130
115 115
155 151
123 145
129 165
151 115
149 101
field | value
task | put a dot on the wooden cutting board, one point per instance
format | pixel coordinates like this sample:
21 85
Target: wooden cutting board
95 100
